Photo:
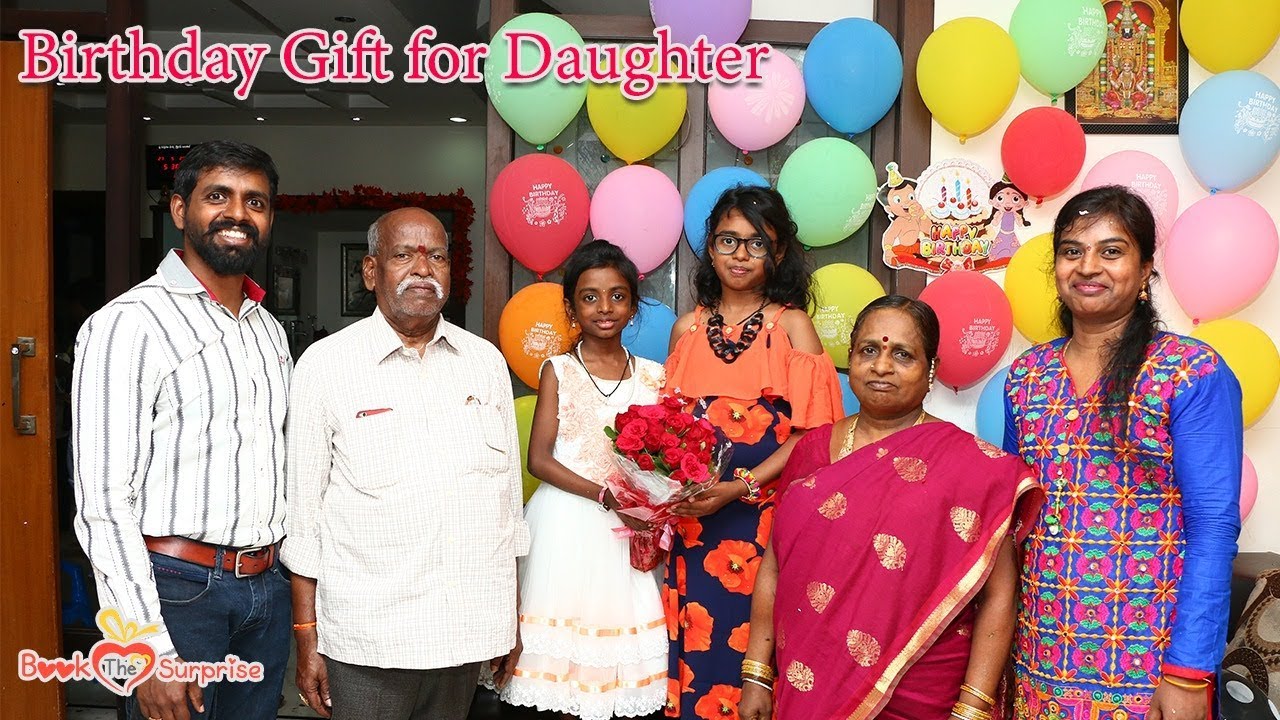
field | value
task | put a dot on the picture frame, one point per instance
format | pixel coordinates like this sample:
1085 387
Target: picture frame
1140 84
357 300
286 291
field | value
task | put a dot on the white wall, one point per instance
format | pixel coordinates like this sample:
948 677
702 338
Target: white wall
312 159
1262 441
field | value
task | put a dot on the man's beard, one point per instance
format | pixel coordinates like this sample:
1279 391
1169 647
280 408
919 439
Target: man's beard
224 259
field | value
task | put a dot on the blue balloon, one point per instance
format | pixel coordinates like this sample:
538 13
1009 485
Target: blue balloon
991 408
650 332
852 74
851 404
703 197
1230 129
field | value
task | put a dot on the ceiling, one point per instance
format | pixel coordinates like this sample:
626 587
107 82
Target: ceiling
278 99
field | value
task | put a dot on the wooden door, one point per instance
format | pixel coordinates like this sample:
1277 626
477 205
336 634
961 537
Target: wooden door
29 611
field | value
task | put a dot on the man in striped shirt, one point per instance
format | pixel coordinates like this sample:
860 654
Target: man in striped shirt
179 395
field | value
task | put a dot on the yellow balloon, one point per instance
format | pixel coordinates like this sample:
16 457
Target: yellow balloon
967 72
1028 283
524 424
840 292
635 129
1251 355
1231 35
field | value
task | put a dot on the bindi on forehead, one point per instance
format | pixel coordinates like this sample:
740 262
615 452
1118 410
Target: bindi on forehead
422 249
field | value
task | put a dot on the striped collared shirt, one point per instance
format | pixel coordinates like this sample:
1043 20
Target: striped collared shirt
405 497
179 411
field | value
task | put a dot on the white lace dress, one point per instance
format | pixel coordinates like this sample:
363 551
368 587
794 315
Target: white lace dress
593 628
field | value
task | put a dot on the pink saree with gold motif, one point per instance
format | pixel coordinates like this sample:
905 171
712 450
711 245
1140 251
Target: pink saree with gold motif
880 557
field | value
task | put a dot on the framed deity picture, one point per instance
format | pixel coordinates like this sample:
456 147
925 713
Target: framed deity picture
1140 84
357 301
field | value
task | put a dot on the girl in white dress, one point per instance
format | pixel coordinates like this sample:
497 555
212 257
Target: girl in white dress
594 634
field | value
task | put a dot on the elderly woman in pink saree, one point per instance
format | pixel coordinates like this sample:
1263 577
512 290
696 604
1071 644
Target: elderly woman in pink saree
889 586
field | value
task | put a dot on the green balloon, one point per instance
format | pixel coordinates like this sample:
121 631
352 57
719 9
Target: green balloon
539 110
1059 41
830 187
524 426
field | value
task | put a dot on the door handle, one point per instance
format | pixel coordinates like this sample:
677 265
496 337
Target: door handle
24 347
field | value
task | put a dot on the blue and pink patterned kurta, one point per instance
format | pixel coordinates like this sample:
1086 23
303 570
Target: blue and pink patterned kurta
1129 567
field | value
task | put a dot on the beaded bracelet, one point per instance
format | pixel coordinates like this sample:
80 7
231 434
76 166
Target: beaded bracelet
748 479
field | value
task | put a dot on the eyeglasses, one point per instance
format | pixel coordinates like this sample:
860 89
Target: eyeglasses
757 247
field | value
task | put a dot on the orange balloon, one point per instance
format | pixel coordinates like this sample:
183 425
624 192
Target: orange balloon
533 327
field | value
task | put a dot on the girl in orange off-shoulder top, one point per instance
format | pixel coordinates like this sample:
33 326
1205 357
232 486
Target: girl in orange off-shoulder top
751 355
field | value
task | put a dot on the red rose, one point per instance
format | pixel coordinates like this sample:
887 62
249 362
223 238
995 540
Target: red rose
645 462
634 427
681 421
652 412
673 402
629 443
670 440
692 469
677 476
672 456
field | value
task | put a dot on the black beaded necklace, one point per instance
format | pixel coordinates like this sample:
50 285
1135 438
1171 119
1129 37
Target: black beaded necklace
730 350
626 365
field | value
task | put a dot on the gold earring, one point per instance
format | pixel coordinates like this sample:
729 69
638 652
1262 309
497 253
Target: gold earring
1143 296
933 371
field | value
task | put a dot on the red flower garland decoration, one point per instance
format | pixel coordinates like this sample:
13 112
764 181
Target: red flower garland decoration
368 197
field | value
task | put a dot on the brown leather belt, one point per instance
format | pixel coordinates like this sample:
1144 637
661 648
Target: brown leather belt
244 562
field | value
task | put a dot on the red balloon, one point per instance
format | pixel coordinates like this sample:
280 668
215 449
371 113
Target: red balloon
976 323
539 207
1043 151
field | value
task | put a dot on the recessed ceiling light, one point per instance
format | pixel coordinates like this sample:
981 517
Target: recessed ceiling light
344 18
356 119
146 118
457 119
260 119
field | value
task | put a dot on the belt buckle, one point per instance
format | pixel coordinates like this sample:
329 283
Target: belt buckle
240 558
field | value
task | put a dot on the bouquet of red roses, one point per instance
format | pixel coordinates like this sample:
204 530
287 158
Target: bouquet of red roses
666 456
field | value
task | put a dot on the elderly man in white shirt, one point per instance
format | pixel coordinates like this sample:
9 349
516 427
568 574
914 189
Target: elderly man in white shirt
404 499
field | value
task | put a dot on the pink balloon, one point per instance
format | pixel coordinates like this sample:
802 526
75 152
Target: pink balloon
1248 487
1144 174
638 209
1220 255
976 324
753 115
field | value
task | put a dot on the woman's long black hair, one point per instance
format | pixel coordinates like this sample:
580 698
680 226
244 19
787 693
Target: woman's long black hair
1125 355
786 282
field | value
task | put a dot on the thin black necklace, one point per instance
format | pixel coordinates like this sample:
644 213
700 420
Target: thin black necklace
577 349
724 348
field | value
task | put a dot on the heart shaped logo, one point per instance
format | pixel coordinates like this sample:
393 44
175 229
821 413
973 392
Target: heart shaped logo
126 666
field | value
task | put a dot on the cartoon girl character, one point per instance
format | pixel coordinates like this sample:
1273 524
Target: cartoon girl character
1007 204
901 239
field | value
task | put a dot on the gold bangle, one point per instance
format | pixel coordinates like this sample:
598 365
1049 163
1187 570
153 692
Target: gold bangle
756 667
965 711
978 694
1187 684
304 626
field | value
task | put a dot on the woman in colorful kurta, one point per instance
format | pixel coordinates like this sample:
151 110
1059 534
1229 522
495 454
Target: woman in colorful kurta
753 358
1137 434
888 587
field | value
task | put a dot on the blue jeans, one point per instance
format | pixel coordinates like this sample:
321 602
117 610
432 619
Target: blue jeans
210 614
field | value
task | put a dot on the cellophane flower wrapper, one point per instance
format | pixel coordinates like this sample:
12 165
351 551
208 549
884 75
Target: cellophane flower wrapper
664 456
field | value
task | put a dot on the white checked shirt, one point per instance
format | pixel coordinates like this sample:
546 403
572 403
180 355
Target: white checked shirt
178 429
404 496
